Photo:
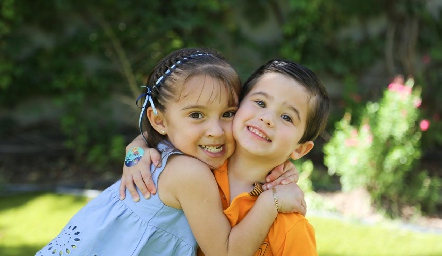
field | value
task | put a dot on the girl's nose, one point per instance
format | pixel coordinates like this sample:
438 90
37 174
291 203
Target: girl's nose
215 129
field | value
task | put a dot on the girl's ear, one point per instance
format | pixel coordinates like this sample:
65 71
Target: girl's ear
302 150
157 121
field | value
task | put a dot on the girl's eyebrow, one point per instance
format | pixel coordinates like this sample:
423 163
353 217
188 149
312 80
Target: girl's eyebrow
266 95
194 106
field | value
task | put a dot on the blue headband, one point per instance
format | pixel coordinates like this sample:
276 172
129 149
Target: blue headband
157 84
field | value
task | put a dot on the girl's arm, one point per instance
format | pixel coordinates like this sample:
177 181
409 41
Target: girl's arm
189 184
288 175
139 175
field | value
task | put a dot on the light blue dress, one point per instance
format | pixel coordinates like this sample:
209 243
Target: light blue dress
108 226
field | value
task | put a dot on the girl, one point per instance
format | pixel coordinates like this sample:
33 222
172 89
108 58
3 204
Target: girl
191 97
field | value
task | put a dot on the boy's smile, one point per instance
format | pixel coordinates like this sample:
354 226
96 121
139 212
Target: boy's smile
258 133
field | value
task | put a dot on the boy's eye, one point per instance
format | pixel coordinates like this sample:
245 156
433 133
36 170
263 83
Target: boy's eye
229 114
196 115
287 118
260 103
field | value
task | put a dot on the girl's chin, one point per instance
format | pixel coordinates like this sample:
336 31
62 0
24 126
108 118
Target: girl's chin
214 164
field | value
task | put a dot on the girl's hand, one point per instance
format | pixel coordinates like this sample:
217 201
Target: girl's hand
139 174
282 174
290 199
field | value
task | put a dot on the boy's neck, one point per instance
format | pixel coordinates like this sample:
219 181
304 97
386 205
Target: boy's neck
244 170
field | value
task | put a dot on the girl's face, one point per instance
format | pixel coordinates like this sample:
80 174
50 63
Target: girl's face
199 121
271 118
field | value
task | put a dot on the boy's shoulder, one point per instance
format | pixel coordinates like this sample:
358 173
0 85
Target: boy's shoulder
289 221
293 227
286 223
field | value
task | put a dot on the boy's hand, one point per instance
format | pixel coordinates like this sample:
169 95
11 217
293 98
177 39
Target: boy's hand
282 174
139 175
290 199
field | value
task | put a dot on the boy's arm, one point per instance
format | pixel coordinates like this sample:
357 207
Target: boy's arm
194 186
139 174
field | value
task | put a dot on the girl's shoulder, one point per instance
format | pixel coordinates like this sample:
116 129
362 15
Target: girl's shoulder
187 164
183 177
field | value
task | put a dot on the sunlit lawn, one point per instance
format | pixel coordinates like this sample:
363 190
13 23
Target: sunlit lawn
28 222
339 237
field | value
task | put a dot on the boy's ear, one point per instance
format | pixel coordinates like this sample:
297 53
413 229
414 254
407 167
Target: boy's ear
157 121
302 150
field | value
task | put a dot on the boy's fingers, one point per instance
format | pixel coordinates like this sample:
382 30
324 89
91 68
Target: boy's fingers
122 189
155 157
132 190
290 171
148 182
275 173
138 180
288 178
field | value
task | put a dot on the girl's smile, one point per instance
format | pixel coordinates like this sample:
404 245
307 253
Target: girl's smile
202 117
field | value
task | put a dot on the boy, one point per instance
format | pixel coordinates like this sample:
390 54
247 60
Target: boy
283 108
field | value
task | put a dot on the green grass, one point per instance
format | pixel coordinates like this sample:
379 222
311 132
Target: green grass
28 222
340 237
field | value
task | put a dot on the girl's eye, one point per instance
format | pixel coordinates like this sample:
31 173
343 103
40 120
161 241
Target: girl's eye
196 115
287 118
260 103
229 114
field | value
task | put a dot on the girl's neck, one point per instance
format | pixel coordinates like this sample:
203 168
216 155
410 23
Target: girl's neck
244 170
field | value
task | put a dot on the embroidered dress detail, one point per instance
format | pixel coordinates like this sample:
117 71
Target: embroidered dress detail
110 226
67 241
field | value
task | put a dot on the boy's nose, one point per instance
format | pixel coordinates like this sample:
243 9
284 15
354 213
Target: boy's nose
267 120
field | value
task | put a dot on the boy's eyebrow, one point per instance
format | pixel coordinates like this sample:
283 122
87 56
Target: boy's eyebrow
296 111
266 95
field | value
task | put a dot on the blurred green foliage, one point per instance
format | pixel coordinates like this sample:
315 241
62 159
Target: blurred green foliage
381 153
80 54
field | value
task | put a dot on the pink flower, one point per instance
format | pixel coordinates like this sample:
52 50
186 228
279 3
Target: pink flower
424 125
369 139
366 127
398 86
417 103
351 142
405 90
394 87
398 80
354 133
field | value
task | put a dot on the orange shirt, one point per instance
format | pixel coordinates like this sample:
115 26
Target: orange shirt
291 233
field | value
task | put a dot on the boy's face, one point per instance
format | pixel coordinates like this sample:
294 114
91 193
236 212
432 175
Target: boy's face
199 121
271 118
